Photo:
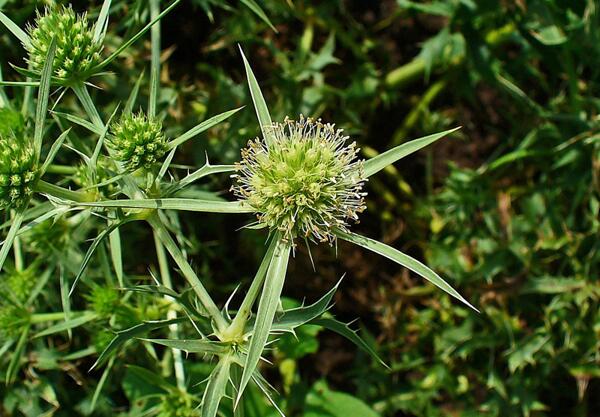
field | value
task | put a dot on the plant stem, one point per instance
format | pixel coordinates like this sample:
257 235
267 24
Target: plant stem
61 169
235 330
86 101
63 193
165 275
45 317
188 272
155 62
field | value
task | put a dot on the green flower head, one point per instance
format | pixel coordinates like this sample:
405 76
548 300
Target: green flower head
18 172
138 141
76 51
305 182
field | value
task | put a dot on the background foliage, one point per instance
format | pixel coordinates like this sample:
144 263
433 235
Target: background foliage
507 210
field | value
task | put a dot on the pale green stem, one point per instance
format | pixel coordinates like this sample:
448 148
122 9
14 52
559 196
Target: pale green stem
63 193
155 63
86 101
46 317
237 326
61 169
165 275
19 265
188 272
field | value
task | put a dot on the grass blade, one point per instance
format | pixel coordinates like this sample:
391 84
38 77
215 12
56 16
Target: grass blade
267 306
81 122
262 111
133 95
53 151
15 30
116 256
252 5
138 35
42 104
10 237
102 22
404 260
376 164
68 324
207 124
13 366
88 256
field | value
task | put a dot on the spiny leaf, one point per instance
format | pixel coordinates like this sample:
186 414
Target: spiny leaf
207 124
216 388
128 334
344 330
208 347
404 260
42 104
262 111
296 317
267 307
376 164
186 204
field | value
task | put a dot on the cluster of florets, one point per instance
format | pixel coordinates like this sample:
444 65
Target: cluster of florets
77 53
104 301
137 141
304 181
177 404
18 171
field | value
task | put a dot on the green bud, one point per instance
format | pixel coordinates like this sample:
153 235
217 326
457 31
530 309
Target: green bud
76 51
137 141
305 183
18 171
104 300
177 404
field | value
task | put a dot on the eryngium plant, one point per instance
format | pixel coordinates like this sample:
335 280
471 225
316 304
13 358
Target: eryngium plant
305 183
137 141
18 171
77 51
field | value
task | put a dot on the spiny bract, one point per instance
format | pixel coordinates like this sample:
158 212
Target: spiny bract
76 51
304 182
138 141
18 172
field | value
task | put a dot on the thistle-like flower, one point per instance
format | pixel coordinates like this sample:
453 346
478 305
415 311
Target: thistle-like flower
18 172
305 182
137 141
77 53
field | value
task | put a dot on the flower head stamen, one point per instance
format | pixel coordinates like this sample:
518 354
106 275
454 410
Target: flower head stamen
305 182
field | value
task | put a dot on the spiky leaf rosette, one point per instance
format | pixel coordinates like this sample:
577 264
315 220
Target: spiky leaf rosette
18 171
76 51
305 182
138 141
